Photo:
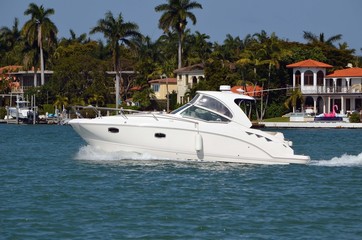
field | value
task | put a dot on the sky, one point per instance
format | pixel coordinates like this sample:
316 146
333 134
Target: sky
286 18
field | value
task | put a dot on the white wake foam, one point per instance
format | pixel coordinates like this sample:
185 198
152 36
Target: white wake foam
93 154
345 160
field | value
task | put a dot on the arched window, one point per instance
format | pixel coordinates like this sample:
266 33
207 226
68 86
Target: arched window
308 78
297 78
194 80
320 76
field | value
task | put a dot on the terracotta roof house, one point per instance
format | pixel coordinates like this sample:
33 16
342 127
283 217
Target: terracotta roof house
186 78
321 91
309 63
161 86
25 78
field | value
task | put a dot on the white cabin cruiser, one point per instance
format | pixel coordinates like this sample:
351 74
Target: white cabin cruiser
211 127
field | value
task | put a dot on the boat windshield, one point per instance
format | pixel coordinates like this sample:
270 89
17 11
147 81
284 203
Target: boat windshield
203 114
215 105
205 108
186 105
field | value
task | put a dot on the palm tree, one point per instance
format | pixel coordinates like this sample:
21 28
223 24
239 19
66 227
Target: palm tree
201 47
274 54
41 29
295 96
78 101
97 98
61 101
8 36
314 39
9 39
175 14
115 30
81 39
232 47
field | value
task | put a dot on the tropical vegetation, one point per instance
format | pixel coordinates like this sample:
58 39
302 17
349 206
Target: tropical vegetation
82 66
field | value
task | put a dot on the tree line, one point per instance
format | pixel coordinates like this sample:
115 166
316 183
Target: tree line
80 64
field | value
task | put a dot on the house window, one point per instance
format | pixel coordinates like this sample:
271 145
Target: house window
297 78
320 77
156 87
194 80
308 78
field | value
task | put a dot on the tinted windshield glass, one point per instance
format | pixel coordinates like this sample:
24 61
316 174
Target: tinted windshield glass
180 109
200 113
214 105
186 105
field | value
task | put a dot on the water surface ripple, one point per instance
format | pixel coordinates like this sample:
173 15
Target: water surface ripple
53 186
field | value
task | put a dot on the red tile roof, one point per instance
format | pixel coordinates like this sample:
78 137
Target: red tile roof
11 68
191 68
250 91
164 80
309 63
348 72
136 88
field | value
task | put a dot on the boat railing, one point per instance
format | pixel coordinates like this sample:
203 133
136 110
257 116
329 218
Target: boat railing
97 110
157 115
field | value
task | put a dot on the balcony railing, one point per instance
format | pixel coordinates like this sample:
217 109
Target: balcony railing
331 89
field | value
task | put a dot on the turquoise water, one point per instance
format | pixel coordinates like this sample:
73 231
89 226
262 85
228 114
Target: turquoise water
53 186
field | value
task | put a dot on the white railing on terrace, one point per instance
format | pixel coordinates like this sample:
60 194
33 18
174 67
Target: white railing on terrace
330 89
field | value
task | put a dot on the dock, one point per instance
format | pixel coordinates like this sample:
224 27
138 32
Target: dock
316 124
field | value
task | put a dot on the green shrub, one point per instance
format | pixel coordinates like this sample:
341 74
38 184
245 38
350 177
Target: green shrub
354 118
275 110
2 112
48 108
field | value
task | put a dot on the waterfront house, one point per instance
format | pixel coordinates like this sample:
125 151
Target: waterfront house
186 78
161 86
24 79
321 91
21 80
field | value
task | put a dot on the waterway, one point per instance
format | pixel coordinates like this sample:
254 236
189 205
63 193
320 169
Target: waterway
54 186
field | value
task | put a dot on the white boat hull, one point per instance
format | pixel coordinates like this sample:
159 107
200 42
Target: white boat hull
166 137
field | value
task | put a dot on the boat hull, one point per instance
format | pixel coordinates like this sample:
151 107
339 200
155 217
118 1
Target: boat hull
160 138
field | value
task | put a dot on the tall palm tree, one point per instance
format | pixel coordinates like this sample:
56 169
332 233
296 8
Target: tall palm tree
274 54
9 37
201 46
232 46
41 29
256 58
295 96
175 15
81 38
312 38
117 31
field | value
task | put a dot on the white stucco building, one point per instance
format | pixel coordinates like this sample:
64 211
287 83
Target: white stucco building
321 91
186 78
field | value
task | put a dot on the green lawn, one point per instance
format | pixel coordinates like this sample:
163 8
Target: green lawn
277 119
